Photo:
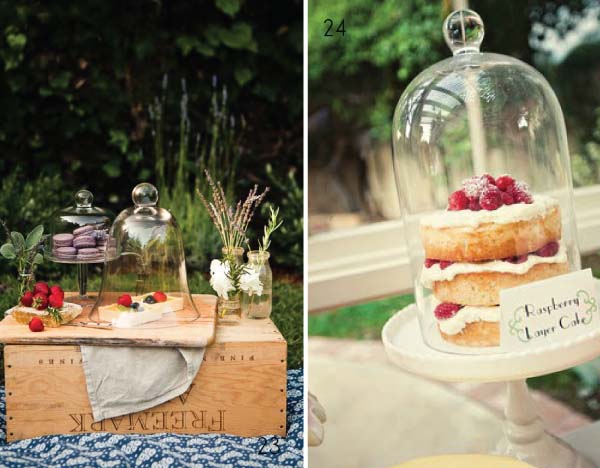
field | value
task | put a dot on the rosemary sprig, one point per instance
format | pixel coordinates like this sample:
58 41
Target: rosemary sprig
272 225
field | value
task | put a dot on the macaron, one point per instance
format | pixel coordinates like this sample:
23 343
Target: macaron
82 242
84 230
62 240
65 253
89 254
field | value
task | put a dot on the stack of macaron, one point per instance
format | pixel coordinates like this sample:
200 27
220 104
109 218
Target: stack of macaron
85 243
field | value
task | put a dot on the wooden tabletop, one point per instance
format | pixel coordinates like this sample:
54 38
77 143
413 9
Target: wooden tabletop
173 330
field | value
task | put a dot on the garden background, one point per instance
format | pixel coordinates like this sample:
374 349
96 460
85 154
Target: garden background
101 95
355 82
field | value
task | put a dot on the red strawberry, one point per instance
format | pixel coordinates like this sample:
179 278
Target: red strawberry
57 291
445 264
429 262
549 250
507 198
42 288
504 181
489 178
27 299
458 201
55 301
40 301
159 296
36 324
124 300
474 205
446 310
491 198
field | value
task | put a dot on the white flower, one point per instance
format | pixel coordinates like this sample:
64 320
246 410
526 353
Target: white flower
219 278
250 282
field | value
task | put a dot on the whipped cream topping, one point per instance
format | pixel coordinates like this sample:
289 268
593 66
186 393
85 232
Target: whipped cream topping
435 273
67 307
503 215
466 315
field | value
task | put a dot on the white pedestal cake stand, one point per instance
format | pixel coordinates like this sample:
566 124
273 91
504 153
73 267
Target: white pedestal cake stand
524 434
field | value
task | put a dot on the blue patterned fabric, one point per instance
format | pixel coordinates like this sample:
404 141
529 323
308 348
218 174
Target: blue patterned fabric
162 450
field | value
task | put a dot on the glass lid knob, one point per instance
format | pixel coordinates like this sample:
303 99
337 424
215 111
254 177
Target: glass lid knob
144 195
463 31
84 199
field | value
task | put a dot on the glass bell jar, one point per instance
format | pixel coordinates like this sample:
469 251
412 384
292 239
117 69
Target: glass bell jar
484 180
145 282
79 234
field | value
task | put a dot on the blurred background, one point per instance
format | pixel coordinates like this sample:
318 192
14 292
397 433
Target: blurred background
357 260
99 96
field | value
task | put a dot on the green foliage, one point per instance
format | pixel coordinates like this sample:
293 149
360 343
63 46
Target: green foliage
287 196
586 162
288 315
360 75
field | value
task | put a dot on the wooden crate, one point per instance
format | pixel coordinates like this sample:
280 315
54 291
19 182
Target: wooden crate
240 389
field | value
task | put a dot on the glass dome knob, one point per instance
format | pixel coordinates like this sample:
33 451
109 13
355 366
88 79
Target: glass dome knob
144 195
463 31
84 199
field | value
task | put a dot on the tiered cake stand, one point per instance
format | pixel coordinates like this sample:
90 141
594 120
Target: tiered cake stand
524 434
82 274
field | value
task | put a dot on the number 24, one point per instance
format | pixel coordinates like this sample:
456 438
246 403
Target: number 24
340 29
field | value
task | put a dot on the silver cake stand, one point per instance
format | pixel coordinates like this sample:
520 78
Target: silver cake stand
524 434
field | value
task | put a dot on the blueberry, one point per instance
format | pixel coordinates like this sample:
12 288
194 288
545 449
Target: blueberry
149 300
135 305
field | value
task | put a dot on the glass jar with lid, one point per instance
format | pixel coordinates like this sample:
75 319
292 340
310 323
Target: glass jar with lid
484 179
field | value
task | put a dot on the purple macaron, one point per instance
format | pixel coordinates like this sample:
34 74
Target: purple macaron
84 230
65 253
62 240
89 254
82 242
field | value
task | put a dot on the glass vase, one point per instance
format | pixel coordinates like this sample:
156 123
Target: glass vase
26 282
230 309
259 306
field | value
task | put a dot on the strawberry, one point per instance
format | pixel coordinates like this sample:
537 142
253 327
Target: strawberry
491 198
57 291
458 201
36 324
504 181
125 300
42 288
159 296
549 250
445 264
40 301
429 262
446 310
27 299
55 301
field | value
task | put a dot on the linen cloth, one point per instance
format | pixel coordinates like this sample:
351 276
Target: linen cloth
162 450
124 380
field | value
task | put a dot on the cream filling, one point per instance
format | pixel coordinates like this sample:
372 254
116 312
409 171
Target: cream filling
435 273
503 215
466 315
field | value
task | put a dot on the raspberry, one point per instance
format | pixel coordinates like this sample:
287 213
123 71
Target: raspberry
57 291
517 259
36 324
445 264
489 178
27 299
55 301
41 287
549 250
474 186
504 181
159 296
429 262
446 310
458 201
40 301
507 198
474 205
520 193
491 198
124 300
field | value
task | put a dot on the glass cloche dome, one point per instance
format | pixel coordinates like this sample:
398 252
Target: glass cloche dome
145 281
484 179
79 235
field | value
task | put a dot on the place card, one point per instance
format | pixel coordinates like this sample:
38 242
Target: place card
546 311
